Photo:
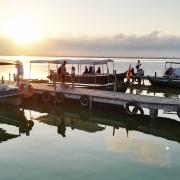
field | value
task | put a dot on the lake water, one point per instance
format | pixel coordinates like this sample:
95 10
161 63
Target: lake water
40 141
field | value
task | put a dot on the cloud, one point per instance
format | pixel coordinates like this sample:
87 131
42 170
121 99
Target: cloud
154 44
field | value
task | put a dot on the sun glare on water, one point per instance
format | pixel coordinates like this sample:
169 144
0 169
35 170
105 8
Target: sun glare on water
22 30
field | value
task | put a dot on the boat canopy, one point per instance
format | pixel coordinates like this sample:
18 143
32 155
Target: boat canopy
74 61
171 62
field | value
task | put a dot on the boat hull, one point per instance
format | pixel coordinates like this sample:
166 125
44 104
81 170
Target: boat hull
13 100
164 82
93 79
120 87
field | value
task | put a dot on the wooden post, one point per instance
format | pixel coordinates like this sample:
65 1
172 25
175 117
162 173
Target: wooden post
143 80
9 77
90 105
155 74
30 70
78 74
2 79
54 84
153 113
95 80
115 81
14 77
114 130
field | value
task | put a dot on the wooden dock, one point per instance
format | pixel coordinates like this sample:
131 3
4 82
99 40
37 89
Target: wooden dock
142 101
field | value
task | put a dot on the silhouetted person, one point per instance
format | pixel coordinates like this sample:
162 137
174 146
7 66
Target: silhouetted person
62 72
62 128
20 71
138 65
98 70
86 70
132 74
90 69
72 75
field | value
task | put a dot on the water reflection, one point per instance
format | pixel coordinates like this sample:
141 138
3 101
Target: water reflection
151 90
62 118
97 120
14 117
147 152
74 117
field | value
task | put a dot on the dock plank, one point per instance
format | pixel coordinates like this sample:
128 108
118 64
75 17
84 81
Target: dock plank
114 97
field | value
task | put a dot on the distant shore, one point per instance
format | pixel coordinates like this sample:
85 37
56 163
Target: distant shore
120 57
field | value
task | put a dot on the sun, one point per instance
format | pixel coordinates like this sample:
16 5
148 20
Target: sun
22 30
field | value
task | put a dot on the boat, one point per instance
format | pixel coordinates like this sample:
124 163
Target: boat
8 94
120 87
85 78
171 77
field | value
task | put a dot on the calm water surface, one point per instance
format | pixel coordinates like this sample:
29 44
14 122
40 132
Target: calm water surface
67 143
43 142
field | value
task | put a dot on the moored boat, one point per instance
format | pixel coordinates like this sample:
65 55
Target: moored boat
9 95
171 77
85 78
165 82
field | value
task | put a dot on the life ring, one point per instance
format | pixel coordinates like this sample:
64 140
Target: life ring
134 110
178 112
84 100
46 96
141 110
26 89
59 97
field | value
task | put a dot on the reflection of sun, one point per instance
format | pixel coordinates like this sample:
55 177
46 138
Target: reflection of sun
22 29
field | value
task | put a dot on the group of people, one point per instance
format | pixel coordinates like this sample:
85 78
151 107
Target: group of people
62 72
91 70
131 74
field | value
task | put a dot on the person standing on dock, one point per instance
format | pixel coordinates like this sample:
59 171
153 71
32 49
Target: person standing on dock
62 72
129 74
138 65
72 75
20 71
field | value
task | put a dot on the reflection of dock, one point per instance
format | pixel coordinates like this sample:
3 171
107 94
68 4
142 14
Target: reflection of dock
95 121
108 97
73 120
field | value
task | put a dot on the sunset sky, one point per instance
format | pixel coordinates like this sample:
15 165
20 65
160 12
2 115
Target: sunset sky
90 27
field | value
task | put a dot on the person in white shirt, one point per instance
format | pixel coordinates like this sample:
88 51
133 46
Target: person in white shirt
20 71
